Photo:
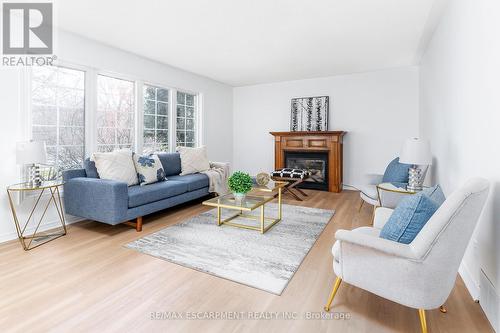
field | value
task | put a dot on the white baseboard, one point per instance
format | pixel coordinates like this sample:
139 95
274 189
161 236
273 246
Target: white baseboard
490 301
46 225
471 284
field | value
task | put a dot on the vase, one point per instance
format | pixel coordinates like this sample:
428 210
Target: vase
239 197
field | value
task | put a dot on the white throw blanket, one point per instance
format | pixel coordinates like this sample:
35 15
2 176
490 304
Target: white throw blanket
217 176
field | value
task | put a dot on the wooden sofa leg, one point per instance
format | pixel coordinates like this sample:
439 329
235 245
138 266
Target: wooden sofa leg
138 224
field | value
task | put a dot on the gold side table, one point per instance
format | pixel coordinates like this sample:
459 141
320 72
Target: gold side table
389 194
37 238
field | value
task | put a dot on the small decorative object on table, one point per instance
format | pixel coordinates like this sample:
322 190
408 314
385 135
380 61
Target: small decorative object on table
418 153
49 172
240 183
32 153
262 179
309 114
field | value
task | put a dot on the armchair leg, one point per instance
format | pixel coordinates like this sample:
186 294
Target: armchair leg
423 322
336 286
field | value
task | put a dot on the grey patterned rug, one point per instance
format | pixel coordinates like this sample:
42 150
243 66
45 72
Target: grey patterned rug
266 262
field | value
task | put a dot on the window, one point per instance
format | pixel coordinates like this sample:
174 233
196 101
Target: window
186 119
155 128
115 113
58 114
78 110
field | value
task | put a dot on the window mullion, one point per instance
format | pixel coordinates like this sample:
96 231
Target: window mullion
139 117
90 112
173 121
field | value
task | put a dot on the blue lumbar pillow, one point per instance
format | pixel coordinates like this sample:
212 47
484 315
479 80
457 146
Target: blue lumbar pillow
436 194
409 217
396 172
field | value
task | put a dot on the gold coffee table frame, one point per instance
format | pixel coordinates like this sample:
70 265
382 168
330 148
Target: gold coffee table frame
55 197
250 203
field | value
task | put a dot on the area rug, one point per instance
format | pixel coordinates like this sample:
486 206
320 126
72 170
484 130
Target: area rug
264 261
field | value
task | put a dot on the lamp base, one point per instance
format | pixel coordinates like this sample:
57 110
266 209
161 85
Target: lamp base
34 178
415 179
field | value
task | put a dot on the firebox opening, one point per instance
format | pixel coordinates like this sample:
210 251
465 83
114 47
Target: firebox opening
317 165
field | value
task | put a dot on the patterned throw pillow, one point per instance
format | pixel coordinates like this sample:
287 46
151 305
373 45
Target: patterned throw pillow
149 169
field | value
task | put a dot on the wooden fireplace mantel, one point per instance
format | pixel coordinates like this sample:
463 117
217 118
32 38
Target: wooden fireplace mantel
325 141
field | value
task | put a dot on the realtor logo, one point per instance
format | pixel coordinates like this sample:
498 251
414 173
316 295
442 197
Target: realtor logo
27 28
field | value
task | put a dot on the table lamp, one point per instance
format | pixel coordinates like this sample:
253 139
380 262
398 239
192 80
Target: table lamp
416 152
32 153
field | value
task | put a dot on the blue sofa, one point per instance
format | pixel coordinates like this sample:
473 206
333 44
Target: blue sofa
113 202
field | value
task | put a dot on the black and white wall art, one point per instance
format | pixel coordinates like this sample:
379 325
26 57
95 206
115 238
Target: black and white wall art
309 114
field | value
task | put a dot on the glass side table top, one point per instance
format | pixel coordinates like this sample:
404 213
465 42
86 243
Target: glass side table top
249 203
396 187
26 186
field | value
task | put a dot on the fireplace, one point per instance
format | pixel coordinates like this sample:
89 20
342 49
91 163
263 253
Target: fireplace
314 162
319 151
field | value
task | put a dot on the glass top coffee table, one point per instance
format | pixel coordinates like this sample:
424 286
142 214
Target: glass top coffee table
251 202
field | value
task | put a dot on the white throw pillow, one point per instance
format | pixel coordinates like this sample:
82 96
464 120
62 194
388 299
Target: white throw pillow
149 169
117 165
193 160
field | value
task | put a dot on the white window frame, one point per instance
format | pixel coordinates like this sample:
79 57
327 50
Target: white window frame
140 111
90 107
197 116
27 105
95 93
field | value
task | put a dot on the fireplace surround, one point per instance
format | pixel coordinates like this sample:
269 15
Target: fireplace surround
314 146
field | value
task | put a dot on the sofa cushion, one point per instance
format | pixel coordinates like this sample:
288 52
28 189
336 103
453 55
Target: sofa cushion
396 172
90 169
141 195
171 163
409 217
194 181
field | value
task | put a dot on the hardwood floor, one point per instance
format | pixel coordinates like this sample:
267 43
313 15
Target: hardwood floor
88 282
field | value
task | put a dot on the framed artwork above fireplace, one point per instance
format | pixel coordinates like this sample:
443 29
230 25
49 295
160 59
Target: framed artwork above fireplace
309 114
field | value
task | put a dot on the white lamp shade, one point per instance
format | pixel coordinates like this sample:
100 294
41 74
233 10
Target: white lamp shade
416 151
31 152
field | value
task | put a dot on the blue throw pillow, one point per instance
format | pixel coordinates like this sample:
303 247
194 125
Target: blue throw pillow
409 217
436 194
396 172
90 168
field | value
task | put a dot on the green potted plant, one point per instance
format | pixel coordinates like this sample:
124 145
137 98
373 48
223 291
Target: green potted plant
240 183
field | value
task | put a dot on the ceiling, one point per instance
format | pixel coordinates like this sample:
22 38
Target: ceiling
243 42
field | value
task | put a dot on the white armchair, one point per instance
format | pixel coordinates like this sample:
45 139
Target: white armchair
421 274
368 191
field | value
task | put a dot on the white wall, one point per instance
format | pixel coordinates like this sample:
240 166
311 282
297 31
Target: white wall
217 106
377 109
460 114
